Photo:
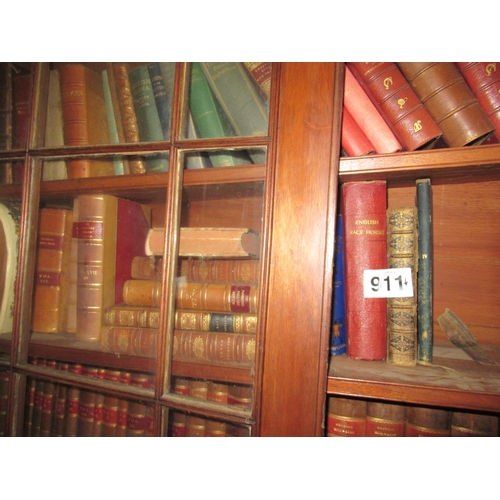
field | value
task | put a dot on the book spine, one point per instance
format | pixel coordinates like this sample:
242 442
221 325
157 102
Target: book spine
424 277
365 239
212 347
242 271
346 417
6 107
135 341
235 92
110 406
469 424
52 270
73 273
402 252
484 80
113 128
61 404
398 103
142 293
135 316
217 297
4 398
137 412
261 73
338 334
48 404
130 127
21 96
160 94
147 268
73 404
449 100
354 140
148 120
427 422
367 116
385 419
215 322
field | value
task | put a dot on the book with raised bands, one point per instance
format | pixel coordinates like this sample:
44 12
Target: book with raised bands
208 242
385 419
50 310
346 417
449 100
399 104
111 231
365 240
427 422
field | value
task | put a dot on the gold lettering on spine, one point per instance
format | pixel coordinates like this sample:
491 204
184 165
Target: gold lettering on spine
490 68
417 126
388 82
402 102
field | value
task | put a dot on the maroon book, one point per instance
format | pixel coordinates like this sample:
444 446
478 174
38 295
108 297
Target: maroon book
364 208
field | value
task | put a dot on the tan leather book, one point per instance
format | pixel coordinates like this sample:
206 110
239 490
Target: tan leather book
449 100
384 419
52 278
470 424
85 118
423 422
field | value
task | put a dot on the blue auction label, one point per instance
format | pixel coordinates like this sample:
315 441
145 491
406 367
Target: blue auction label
394 282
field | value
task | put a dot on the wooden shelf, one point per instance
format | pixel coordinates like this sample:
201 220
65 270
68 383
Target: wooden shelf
453 380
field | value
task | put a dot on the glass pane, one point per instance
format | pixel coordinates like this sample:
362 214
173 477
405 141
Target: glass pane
4 392
109 103
60 409
227 99
15 97
222 158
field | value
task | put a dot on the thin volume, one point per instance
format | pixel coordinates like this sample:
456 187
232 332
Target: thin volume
354 140
424 279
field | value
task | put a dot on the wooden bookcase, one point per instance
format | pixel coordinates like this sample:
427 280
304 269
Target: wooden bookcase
288 198
293 198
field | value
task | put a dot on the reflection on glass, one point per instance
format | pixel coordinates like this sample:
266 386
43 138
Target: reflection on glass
58 409
222 158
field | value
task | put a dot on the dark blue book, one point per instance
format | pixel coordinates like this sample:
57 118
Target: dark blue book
338 334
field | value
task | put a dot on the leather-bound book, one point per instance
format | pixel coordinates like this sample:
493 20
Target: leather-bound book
85 118
73 273
449 100
50 309
346 417
385 419
73 404
261 73
145 293
132 316
402 252
87 405
240 396
368 117
147 268
137 412
338 336
110 406
47 420
6 107
61 403
484 80
4 397
354 140
399 104
22 94
243 271
161 95
111 231
365 240
206 321
470 424
427 422
195 426
134 341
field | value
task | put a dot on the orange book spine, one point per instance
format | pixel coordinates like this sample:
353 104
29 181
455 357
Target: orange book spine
147 268
215 322
135 316
217 297
238 271
212 347
129 340
367 116
52 270
142 293
354 140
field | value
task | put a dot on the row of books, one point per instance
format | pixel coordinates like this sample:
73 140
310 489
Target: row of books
395 324
390 107
350 417
61 410
128 102
15 91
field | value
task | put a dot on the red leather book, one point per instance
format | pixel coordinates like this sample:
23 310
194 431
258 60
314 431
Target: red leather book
398 103
111 231
449 100
137 412
484 80
84 118
368 117
354 140
427 422
261 73
346 417
50 313
469 424
365 240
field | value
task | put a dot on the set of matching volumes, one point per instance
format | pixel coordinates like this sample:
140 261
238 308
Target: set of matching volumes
410 106
371 236
350 417
133 103
15 93
60 410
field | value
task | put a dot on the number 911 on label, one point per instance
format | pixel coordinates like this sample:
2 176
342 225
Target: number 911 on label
388 283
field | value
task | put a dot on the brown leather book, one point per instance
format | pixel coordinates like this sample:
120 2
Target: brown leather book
346 417
216 242
402 252
73 273
398 103
135 316
450 102
6 107
137 412
147 268
385 419
242 271
4 397
106 247
427 422
207 321
50 309
61 404
130 340
484 80
470 424
73 404
84 117
110 406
